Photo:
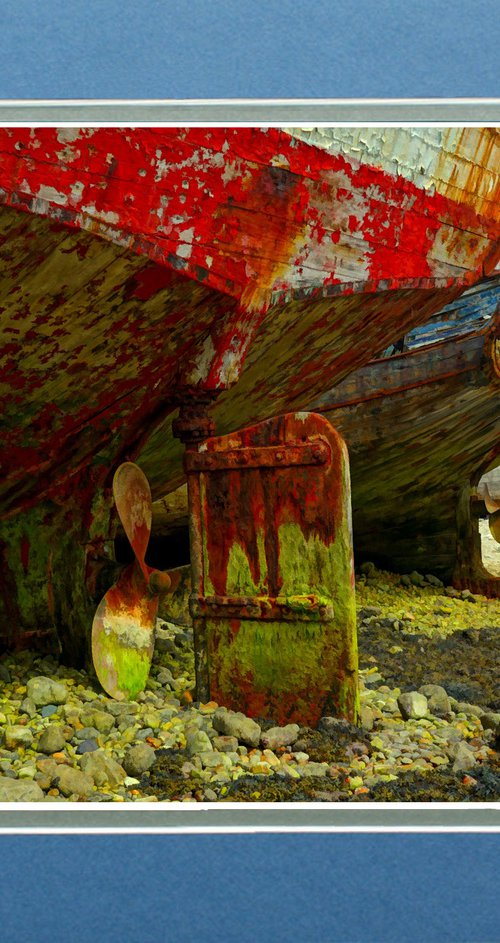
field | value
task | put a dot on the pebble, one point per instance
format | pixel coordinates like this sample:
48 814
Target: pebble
46 711
52 740
86 733
19 790
464 757
417 579
235 724
438 702
101 721
43 691
26 772
433 580
213 759
72 782
138 759
412 705
199 742
18 736
225 744
103 769
86 746
28 707
470 710
315 769
280 736
367 717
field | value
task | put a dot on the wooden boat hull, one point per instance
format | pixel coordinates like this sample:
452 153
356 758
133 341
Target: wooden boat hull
421 428
150 268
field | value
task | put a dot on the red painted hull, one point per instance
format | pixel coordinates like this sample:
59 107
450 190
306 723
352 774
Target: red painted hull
142 266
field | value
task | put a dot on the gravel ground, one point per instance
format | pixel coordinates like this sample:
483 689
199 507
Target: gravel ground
430 719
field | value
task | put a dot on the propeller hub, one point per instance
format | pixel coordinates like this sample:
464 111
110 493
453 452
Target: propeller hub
159 583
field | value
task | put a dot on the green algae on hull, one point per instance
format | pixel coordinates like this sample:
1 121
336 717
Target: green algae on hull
272 663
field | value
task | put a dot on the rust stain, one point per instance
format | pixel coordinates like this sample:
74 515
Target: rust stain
272 600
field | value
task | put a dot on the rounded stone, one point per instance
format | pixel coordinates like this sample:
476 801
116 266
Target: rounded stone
438 702
412 705
491 721
86 746
86 733
28 707
225 744
44 691
48 710
198 742
464 758
52 740
18 736
19 790
236 724
417 579
138 759
102 768
101 721
280 736
71 782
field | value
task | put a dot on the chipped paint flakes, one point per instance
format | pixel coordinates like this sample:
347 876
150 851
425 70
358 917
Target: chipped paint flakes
52 195
77 189
231 364
67 155
68 135
109 216
455 162
204 362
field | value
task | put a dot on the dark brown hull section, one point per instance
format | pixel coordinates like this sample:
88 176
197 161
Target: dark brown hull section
421 428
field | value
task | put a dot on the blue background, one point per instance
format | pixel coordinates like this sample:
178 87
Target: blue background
248 48
314 888
323 888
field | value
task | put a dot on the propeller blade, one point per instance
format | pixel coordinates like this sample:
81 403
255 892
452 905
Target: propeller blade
123 633
123 629
133 502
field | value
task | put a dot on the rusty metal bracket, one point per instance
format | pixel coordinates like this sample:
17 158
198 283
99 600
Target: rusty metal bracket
316 452
306 608
194 424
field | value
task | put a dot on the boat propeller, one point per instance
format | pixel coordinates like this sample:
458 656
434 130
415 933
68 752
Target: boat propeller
123 629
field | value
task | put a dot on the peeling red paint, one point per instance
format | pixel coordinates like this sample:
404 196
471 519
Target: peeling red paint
197 188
